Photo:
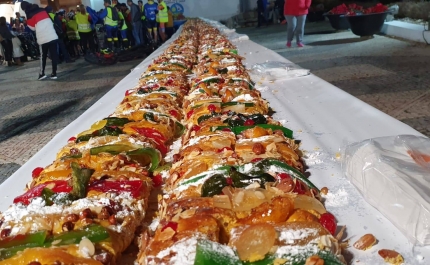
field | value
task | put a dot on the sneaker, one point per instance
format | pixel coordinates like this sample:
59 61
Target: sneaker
53 76
289 44
299 44
41 77
283 22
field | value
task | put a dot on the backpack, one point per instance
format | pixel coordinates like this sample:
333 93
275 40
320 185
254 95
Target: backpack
115 16
57 28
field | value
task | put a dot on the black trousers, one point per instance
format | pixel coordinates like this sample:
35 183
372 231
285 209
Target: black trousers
261 18
87 40
52 48
8 49
63 50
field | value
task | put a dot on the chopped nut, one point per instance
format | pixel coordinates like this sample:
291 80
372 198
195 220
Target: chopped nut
365 242
74 151
86 213
286 185
112 219
340 234
5 232
87 221
72 217
105 213
104 257
68 226
314 260
258 149
153 105
324 190
391 256
278 132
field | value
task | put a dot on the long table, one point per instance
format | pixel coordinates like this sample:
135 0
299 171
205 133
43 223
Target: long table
322 116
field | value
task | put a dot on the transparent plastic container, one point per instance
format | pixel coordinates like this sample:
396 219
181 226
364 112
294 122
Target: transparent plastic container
393 175
273 70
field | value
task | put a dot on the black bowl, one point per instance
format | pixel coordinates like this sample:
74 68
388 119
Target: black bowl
368 24
315 16
338 21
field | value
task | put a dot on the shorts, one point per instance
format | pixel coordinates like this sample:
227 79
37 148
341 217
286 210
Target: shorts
151 24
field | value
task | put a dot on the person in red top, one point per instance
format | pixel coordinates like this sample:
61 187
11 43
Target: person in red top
295 12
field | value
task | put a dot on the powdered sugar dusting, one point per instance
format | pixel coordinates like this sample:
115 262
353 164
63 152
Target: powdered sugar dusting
174 149
185 252
291 236
337 199
262 88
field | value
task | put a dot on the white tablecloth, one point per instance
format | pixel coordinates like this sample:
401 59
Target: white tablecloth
321 115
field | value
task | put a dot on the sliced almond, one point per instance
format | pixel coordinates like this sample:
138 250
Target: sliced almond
391 256
188 213
167 234
365 242
86 247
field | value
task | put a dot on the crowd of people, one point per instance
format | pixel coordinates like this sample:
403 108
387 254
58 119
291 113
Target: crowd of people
66 36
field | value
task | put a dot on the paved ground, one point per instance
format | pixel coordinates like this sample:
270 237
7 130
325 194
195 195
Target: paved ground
392 75
32 112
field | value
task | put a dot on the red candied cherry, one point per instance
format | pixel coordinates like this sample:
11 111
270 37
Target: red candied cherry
212 108
229 181
174 113
283 176
157 180
172 225
36 172
128 92
249 122
190 113
328 221
195 128
255 160
72 139
226 130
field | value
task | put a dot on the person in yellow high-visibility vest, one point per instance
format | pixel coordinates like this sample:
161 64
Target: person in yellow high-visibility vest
84 28
123 28
72 34
163 18
111 17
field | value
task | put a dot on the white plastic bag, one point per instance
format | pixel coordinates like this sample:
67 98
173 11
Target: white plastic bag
274 70
393 175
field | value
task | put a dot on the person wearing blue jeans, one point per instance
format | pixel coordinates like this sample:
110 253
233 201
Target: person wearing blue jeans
295 26
295 12
136 22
